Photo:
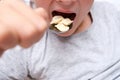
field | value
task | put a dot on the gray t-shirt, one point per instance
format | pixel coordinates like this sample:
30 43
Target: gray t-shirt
90 55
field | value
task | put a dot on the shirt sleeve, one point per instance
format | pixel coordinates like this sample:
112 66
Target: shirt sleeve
13 65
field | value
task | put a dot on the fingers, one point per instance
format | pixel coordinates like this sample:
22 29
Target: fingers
42 12
21 25
26 11
8 39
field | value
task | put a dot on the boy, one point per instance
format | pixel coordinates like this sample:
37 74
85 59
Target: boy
89 50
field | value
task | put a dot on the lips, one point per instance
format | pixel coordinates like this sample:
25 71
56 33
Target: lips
65 15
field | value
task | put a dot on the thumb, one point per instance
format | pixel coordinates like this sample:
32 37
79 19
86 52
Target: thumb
42 12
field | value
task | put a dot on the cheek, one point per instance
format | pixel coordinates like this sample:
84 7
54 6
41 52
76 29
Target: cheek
43 3
86 4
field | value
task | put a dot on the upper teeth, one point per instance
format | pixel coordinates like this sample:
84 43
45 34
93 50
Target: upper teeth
60 23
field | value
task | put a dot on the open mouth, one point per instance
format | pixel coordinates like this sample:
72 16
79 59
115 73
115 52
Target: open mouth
65 15
62 22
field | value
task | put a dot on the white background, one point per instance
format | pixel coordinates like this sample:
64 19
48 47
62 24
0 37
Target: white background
115 2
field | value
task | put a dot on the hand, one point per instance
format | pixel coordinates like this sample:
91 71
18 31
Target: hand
20 25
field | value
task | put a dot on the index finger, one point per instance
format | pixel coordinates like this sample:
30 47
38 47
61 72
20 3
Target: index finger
38 18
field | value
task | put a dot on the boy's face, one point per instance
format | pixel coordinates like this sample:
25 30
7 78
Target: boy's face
79 7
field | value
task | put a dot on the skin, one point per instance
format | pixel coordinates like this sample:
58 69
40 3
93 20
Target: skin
17 27
80 7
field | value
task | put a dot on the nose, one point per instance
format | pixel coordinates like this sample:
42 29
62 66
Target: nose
66 3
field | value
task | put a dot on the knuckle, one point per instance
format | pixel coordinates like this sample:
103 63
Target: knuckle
29 37
43 26
3 34
42 12
7 38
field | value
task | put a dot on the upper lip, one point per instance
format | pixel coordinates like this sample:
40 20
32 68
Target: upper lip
70 15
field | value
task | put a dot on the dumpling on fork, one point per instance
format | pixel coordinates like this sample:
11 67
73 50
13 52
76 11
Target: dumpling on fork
60 24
